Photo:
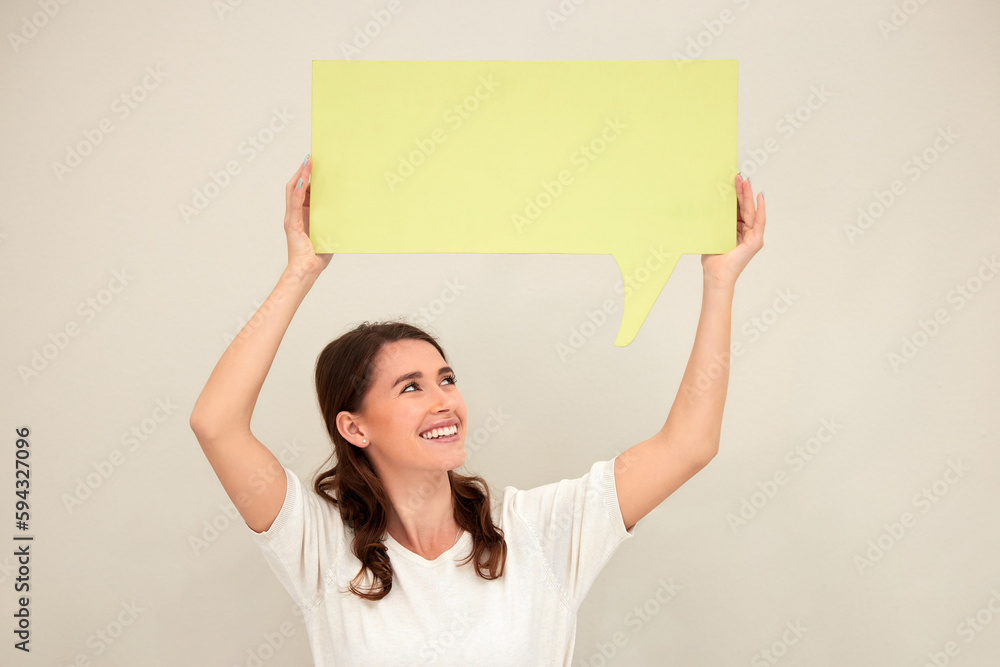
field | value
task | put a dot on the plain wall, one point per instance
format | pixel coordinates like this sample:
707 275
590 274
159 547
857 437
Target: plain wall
858 294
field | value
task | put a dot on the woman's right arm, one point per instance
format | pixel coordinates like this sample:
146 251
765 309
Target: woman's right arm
251 475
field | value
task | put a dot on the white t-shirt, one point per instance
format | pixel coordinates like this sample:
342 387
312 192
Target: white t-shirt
559 536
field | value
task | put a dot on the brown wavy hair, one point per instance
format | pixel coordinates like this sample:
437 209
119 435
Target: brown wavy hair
345 371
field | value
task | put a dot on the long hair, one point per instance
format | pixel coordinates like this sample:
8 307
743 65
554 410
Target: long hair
345 371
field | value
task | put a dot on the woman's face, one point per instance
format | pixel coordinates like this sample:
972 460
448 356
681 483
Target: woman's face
412 392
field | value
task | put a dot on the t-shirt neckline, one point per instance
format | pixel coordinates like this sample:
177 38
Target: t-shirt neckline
396 547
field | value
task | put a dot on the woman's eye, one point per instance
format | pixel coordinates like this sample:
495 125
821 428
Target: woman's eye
451 378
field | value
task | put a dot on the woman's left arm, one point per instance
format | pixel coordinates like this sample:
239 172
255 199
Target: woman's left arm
647 473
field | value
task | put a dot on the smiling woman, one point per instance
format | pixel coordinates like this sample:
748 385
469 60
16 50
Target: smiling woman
402 547
394 557
377 411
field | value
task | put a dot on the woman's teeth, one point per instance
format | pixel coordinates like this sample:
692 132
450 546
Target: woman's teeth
440 432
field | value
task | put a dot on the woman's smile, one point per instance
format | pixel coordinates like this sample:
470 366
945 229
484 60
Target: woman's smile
445 438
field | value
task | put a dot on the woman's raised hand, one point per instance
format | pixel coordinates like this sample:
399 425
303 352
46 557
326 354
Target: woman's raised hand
301 254
750 222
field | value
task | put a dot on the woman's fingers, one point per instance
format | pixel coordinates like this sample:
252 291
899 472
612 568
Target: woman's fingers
293 183
761 219
290 187
750 211
306 180
301 186
746 203
303 194
740 203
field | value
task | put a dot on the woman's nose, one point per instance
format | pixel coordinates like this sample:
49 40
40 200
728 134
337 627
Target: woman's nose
446 398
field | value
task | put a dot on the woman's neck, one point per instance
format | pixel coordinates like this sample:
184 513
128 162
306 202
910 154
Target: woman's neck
422 517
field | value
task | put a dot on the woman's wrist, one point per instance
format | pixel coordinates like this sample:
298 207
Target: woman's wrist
300 274
718 284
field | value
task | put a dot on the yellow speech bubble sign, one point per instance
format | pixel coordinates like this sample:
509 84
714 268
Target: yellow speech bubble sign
635 159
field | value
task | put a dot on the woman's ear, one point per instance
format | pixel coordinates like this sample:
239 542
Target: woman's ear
351 429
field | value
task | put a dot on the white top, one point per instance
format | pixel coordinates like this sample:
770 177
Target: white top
559 536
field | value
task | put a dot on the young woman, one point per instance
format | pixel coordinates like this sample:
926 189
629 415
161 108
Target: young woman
392 556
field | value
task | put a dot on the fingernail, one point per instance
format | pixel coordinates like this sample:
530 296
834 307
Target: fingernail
749 181
762 194
300 184
306 160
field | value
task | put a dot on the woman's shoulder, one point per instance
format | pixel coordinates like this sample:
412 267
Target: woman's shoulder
305 510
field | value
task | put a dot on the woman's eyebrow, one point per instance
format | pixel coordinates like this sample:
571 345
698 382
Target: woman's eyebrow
418 374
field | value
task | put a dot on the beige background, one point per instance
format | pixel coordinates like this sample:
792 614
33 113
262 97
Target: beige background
191 286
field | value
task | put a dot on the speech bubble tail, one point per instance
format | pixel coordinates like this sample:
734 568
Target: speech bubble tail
643 277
